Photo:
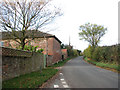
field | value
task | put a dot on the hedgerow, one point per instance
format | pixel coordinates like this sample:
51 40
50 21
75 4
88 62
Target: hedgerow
106 54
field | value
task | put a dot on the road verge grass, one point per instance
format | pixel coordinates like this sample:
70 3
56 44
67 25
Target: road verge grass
31 80
34 79
108 66
61 63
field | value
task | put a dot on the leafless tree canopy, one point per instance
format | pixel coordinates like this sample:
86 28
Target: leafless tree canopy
23 15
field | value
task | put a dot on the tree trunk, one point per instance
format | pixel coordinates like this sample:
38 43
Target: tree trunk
23 44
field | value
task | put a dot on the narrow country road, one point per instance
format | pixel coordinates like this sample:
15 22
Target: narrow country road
77 73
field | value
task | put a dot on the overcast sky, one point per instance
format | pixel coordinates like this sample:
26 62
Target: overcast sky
79 12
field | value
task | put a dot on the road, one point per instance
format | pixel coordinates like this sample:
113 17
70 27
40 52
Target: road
77 73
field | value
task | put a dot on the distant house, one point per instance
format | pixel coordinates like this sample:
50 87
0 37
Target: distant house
64 53
50 43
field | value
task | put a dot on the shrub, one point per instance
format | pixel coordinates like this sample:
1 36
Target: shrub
115 54
31 48
89 51
96 54
40 50
75 52
106 54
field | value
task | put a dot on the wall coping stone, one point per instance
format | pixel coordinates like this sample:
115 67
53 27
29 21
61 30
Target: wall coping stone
4 51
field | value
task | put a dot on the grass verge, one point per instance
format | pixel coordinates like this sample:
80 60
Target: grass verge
31 80
61 63
104 65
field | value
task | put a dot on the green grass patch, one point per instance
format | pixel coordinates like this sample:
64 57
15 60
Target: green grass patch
112 66
61 63
34 79
90 61
105 65
31 80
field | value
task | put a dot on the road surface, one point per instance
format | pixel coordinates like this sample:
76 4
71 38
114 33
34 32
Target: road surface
77 73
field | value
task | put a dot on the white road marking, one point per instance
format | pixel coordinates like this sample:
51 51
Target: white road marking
65 86
64 82
56 86
61 79
61 73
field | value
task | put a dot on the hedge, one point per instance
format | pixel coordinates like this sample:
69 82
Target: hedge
106 54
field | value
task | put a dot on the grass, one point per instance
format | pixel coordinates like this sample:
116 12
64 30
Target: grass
104 65
31 80
61 63
112 66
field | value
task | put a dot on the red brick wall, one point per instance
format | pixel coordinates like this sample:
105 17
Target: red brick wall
54 48
64 53
57 56
50 46
10 43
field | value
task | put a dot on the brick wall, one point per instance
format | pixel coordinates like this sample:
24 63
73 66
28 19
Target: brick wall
23 62
53 48
9 43
57 54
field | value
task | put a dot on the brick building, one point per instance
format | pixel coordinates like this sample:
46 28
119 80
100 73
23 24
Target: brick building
64 53
50 43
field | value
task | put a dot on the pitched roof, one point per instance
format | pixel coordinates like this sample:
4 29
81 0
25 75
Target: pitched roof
28 34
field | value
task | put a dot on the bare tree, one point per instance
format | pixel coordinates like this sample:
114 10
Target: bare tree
20 16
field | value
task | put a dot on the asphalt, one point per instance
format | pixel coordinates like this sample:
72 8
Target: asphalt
80 74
